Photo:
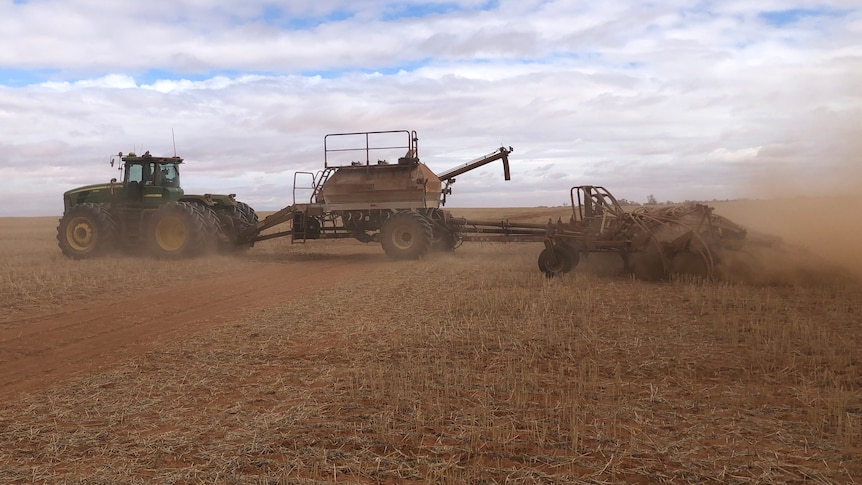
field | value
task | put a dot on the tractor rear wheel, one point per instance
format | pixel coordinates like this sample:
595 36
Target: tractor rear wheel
406 235
86 231
177 230
212 227
243 217
247 213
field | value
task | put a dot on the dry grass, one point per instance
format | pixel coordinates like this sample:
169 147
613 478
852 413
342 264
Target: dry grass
34 275
472 368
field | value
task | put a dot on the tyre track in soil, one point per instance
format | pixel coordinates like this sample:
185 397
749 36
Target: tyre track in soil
38 351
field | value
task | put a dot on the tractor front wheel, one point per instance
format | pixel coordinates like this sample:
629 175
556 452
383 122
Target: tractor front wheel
406 235
177 230
86 231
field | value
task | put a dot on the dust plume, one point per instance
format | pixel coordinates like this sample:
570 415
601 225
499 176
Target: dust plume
818 218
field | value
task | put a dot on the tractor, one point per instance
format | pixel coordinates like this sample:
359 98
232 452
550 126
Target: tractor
149 211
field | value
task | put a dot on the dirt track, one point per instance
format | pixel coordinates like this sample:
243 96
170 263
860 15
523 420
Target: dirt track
39 350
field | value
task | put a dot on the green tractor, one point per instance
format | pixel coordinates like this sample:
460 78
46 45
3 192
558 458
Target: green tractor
149 211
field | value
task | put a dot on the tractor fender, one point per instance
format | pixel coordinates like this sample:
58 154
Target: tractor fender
215 201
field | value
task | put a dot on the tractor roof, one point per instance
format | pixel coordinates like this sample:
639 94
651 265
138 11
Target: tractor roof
147 158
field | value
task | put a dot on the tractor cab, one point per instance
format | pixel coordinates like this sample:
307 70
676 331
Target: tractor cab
151 180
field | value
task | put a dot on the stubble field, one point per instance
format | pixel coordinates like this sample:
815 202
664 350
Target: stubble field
327 363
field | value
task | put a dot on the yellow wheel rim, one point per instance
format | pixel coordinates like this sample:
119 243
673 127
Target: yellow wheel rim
171 233
80 234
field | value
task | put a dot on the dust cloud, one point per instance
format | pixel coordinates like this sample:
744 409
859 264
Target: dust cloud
818 220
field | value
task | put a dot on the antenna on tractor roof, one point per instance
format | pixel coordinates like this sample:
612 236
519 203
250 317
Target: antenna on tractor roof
174 138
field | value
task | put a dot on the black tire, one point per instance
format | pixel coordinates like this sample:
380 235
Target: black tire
312 228
232 223
86 231
406 235
177 230
215 239
558 262
444 238
246 212
444 241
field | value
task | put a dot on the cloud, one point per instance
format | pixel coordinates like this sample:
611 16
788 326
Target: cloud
655 98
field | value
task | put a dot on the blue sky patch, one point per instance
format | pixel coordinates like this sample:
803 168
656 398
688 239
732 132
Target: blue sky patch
407 66
782 18
17 78
276 17
153 75
418 10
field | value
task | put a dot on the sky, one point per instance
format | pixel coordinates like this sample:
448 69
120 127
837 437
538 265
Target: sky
681 100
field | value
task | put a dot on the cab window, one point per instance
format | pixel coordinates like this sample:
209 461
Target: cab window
141 173
169 176
134 173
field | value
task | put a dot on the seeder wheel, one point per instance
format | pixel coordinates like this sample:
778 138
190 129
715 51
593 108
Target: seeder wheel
556 261
406 235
